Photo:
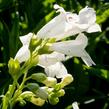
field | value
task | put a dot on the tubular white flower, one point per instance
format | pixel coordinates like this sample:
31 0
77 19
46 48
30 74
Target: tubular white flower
24 53
56 70
50 59
74 48
59 27
67 24
52 65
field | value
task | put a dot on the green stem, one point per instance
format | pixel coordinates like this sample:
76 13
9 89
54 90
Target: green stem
18 91
8 95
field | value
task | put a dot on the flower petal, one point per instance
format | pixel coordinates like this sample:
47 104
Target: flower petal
59 8
50 59
87 59
53 29
23 54
57 70
26 38
94 28
87 16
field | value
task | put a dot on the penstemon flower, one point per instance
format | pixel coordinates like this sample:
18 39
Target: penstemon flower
53 66
46 60
56 70
67 24
74 48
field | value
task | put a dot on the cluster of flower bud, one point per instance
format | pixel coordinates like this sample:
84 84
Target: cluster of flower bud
50 92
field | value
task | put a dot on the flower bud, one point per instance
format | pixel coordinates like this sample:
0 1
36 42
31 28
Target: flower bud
14 68
34 42
31 97
34 60
26 95
37 101
52 40
53 100
45 49
50 82
42 93
58 86
60 93
66 80
39 77
33 87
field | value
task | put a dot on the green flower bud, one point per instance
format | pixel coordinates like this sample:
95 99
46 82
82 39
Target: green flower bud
33 87
34 42
60 93
53 100
38 91
26 95
57 87
52 40
66 80
45 49
34 60
42 93
50 82
31 97
14 68
39 77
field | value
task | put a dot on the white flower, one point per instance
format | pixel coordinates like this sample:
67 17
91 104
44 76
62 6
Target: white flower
87 19
74 48
52 65
50 59
75 105
67 24
59 27
56 70
24 53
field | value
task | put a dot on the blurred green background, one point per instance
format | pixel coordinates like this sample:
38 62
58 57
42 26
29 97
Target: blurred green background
19 17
